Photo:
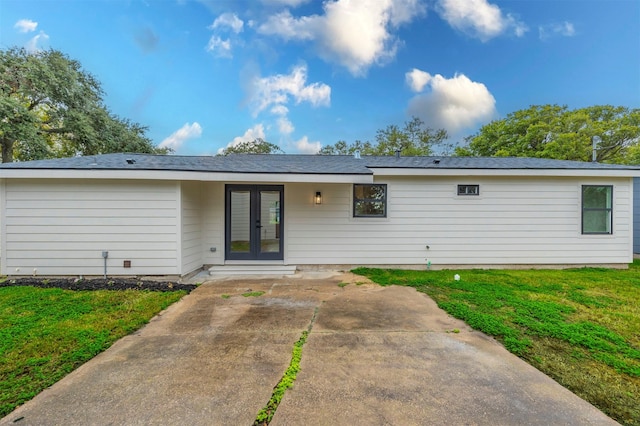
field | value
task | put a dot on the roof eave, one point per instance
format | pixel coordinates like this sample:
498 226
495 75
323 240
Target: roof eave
178 175
384 171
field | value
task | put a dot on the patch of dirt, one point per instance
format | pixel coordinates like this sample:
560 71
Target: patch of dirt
98 284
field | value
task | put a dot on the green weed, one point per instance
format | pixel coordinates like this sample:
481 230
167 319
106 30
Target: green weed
265 415
253 294
579 326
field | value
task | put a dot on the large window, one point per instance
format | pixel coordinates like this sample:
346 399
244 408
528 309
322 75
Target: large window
597 209
370 200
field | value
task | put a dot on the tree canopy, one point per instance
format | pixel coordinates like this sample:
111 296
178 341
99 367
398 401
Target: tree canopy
51 107
256 146
411 140
552 131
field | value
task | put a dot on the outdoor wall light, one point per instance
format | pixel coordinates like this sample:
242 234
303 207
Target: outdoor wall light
318 198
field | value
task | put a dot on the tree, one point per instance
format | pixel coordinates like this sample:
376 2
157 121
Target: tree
343 148
256 146
51 107
552 131
412 139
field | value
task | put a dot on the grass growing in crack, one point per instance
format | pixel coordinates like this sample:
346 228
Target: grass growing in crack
343 285
47 333
579 326
264 416
253 294
226 296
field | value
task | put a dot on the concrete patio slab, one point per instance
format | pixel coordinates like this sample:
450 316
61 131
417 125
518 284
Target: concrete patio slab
388 356
375 355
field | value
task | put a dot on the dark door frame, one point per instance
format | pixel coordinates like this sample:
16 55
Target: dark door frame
255 252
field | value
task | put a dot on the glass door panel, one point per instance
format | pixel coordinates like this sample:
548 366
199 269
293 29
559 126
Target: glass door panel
269 221
240 222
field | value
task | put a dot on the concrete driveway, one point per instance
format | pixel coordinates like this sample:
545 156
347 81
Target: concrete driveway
375 356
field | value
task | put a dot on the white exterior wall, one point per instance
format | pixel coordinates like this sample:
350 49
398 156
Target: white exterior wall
514 221
62 226
636 215
191 226
213 223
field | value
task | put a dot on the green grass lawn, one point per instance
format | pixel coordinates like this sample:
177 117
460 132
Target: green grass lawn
579 326
46 333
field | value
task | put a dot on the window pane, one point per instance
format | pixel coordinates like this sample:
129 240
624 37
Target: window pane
597 206
240 223
364 192
596 222
369 208
596 197
270 221
369 200
468 189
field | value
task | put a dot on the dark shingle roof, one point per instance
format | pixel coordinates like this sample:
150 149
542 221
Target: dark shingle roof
487 163
246 163
299 164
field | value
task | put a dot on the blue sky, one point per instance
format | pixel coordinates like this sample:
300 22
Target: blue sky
203 74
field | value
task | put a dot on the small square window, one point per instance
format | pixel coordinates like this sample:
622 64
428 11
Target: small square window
369 200
468 189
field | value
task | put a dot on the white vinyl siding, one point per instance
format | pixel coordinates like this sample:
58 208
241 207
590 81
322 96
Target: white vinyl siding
213 223
513 221
61 226
58 227
191 227
636 215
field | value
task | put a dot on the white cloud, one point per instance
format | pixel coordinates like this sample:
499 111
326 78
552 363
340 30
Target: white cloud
277 90
219 47
290 3
225 23
34 45
255 132
453 103
180 136
228 20
479 18
274 93
353 33
285 25
305 147
26 25
417 79
285 126
280 110
564 29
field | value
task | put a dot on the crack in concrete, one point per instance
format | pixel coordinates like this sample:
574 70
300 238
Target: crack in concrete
265 415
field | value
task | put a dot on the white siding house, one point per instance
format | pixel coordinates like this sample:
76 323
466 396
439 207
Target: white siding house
61 227
636 215
170 215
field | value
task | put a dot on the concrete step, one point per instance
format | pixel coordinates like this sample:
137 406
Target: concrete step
229 270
